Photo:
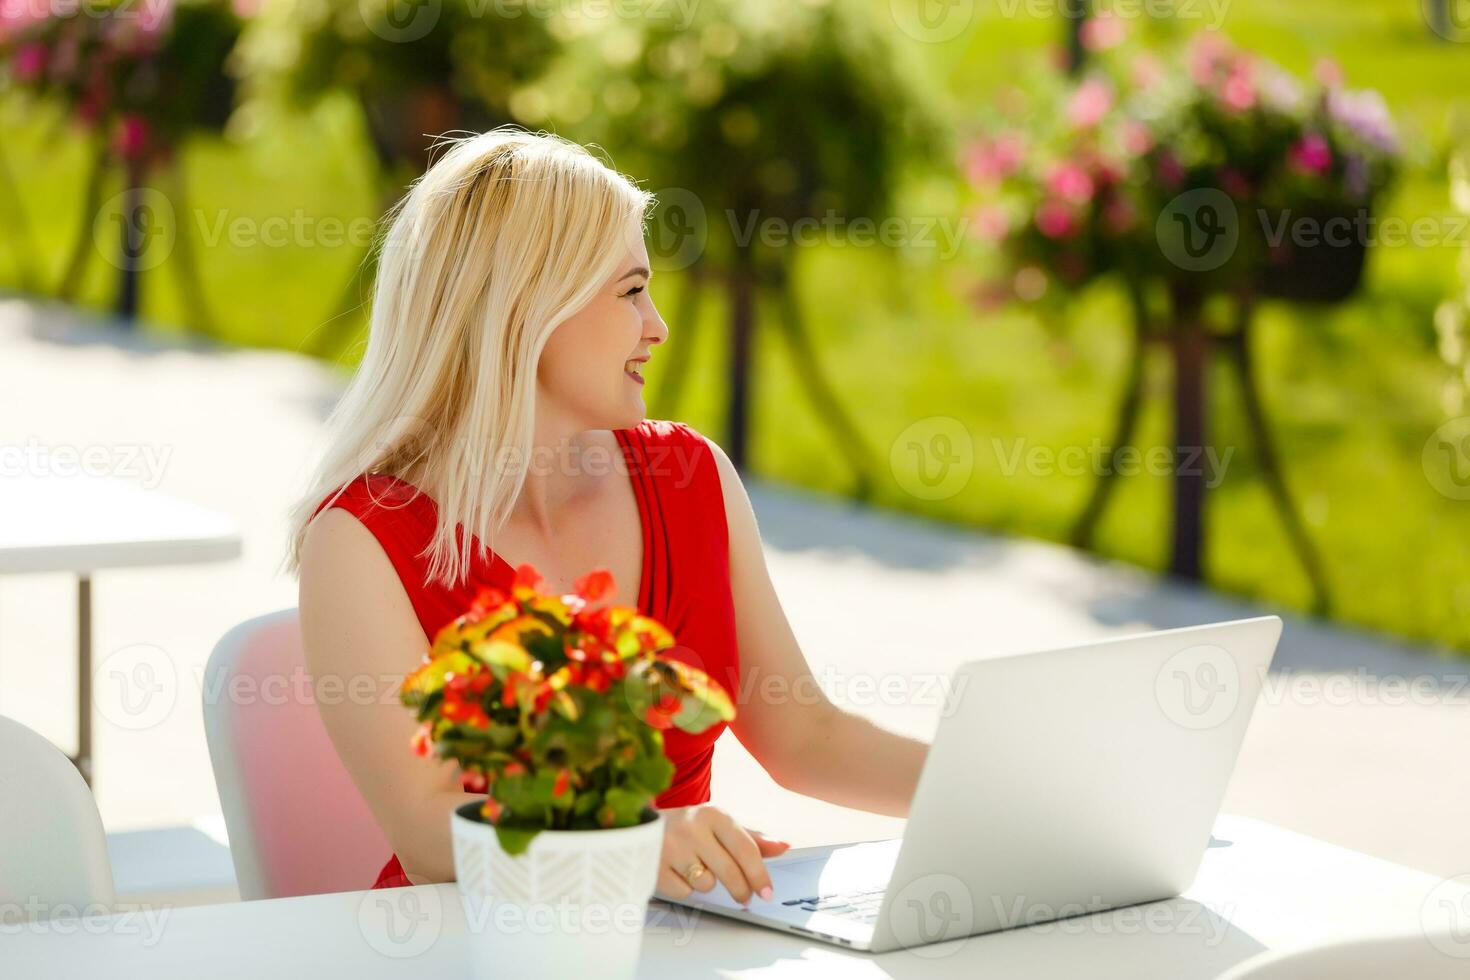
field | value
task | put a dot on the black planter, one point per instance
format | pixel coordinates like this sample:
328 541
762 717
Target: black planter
1319 259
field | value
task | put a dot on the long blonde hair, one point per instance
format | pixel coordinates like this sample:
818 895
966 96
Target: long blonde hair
507 235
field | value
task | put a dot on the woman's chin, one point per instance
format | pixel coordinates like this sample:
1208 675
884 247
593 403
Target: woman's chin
635 410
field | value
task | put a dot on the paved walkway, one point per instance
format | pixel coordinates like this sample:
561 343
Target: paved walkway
1336 749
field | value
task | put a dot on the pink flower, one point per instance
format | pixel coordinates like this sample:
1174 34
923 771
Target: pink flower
989 163
1119 216
1328 72
1136 137
1146 71
1102 31
1070 183
1311 154
1207 55
1055 220
1106 173
29 62
1238 93
1089 103
132 137
991 222
1234 183
1171 171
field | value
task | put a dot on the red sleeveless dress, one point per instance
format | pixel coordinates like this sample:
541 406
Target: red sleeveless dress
685 580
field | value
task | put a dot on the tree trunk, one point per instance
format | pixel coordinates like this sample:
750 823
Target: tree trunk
742 335
138 223
1190 343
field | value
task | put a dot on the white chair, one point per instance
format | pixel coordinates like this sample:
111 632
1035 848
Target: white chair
53 852
296 821
1413 956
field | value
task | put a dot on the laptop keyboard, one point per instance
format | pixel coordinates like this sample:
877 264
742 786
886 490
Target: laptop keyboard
861 906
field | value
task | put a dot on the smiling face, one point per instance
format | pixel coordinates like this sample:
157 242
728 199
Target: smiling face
591 366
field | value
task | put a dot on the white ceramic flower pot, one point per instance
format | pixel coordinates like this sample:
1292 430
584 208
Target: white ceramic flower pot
572 905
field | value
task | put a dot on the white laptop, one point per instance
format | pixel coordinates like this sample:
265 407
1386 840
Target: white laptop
1059 783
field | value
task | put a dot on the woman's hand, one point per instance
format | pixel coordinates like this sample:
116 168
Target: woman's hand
730 854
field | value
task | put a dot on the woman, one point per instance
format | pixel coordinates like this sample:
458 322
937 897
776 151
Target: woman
497 419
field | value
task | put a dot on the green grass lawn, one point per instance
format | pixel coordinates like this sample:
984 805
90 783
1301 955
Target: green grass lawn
1354 390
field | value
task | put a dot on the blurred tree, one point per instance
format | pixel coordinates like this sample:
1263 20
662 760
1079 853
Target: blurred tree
417 71
751 121
140 80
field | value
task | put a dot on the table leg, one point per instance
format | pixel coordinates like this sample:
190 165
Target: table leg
83 758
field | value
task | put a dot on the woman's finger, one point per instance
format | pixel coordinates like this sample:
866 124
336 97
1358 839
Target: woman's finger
742 847
728 870
769 848
672 883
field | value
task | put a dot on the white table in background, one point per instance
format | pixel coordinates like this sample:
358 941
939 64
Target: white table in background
82 525
1259 887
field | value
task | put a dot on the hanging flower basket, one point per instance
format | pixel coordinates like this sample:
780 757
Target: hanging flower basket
1327 270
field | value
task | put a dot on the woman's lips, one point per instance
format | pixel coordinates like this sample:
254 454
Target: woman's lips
631 370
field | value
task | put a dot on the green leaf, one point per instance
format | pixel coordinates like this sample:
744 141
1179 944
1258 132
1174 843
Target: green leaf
515 840
625 806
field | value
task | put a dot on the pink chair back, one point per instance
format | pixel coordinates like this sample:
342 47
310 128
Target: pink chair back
296 821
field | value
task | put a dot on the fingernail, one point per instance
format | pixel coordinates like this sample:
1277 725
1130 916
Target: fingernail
766 893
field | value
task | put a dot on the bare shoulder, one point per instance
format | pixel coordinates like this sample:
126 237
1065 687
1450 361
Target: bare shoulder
739 515
351 599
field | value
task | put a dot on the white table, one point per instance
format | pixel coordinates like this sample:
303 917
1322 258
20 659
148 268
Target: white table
1259 888
83 524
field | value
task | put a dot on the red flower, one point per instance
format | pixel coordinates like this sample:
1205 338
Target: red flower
593 621
488 600
595 586
421 743
597 680
491 808
473 782
563 781
528 578
661 715
514 769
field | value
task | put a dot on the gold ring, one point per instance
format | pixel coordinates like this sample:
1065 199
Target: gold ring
694 872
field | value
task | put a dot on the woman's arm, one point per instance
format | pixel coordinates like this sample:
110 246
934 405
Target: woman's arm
808 745
357 622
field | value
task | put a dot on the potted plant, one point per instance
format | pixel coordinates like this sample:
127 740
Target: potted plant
554 707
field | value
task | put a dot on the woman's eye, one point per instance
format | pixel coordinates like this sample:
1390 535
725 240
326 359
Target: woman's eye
633 292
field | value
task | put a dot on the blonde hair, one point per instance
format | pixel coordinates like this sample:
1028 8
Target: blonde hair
507 235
